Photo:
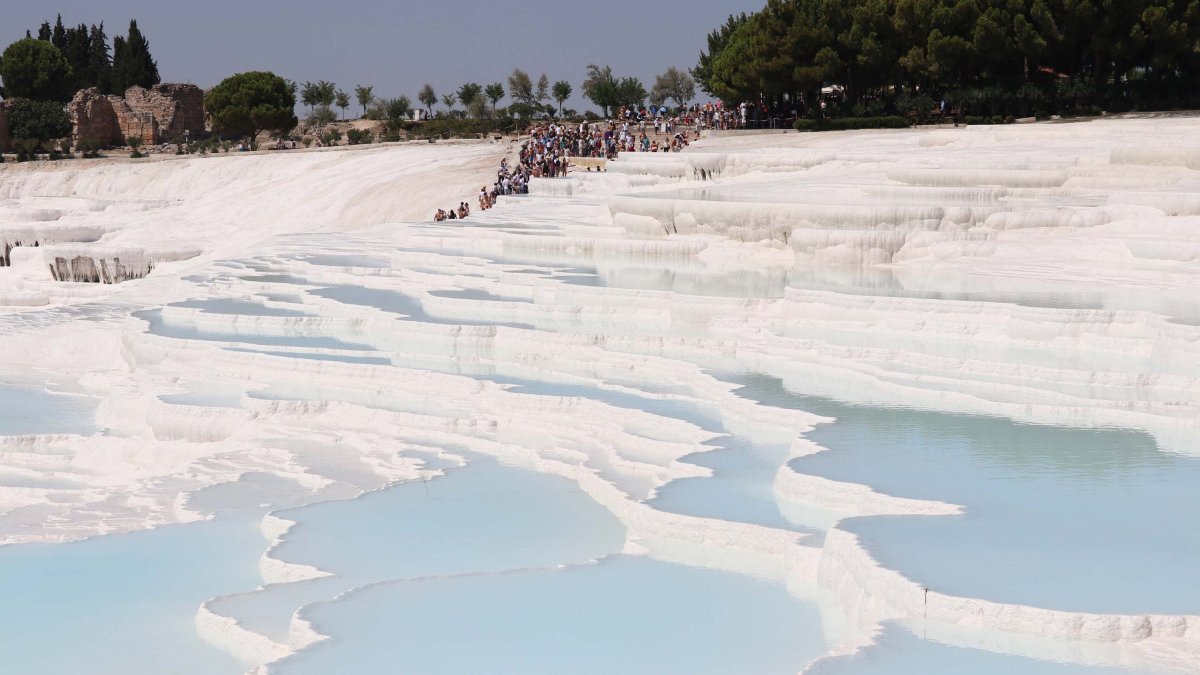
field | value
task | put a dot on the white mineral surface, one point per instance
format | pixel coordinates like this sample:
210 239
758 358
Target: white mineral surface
283 330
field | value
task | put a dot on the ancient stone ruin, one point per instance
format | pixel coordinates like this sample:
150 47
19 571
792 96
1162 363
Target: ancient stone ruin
162 113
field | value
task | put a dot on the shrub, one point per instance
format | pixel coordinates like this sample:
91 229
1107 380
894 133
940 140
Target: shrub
89 148
359 137
919 104
322 117
135 144
27 149
38 122
397 111
442 128
307 141
331 137
983 119
847 123
871 108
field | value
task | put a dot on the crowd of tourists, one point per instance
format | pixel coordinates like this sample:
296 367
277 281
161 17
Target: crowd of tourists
697 117
463 210
550 148
509 181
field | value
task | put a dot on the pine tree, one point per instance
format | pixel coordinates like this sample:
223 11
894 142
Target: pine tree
44 31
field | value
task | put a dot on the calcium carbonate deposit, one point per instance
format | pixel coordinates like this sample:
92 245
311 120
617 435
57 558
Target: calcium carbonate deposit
921 401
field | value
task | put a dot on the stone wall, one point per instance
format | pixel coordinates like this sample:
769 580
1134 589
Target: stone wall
176 108
95 117
5 139
162 113
139 123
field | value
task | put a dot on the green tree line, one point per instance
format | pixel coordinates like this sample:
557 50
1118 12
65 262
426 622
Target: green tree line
1011 57
93 63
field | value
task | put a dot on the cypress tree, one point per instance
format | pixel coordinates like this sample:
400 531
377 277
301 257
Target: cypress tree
44 31
59 37
78 55
114 73
132 63
99 62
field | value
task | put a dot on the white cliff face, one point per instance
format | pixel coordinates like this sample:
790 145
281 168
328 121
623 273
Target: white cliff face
1044 274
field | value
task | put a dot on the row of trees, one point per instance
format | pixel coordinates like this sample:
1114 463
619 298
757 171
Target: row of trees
609 92
40 74
529 99
38 70
92 63
233 114
992 56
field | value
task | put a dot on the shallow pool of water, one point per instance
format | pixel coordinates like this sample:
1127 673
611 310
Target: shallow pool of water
900 652
398 303
741 486
124 604
208 394
1057 517
237 306
623 615
33 410
476 294
484 517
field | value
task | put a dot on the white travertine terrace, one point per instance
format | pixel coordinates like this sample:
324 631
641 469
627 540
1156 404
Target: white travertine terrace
1044 273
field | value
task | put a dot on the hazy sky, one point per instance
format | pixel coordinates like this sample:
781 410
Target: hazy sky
398 46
